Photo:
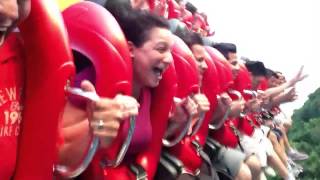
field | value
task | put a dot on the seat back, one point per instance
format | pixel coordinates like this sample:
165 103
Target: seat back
186 69
161 104
242 83
49 67
94 33
174 10
159 7
185 150
188 83
225 134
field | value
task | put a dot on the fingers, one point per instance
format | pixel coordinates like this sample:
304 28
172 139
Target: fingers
87 86
106 130
223 103
121 106
193 106
301 69
299 77
129 104
190 106
106 103
202 102
303 77
253 104
226 99
106 115
101 126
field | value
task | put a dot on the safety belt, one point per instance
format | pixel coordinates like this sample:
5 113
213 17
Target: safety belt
206 159
139 171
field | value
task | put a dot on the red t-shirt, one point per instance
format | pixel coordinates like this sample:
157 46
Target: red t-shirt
11 84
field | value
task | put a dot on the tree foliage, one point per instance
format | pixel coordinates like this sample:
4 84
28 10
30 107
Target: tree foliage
310 109
305 135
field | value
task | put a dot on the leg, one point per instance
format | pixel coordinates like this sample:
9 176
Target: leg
231 163
275 162
284 129
244 173
292 153
277 147
254 166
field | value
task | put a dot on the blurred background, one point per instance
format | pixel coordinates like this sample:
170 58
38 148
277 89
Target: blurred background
284 34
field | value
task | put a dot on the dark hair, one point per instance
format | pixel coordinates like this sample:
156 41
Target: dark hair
136 24
256 68
270 73
116 7
190 38
226 48
190 7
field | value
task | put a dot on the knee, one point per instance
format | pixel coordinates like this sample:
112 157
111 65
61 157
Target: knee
254 165
244 173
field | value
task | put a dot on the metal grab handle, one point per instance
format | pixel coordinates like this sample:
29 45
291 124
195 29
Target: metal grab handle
124 148
253 93
240 98
236 93
92 96
74 172
226 115
68 172
183 133
199 123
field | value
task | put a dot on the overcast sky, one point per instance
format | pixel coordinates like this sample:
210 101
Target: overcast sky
284 34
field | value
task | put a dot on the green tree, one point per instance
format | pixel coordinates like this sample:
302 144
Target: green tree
310 109
305 135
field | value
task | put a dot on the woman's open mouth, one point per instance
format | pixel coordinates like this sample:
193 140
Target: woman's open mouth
3 32
158 72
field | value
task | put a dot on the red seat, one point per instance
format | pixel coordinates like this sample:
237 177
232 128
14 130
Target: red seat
225 134
174 10
243 82
186 69
160 106
185 150
48 67
88 25
188 83
211 88
159 7
223 68
112 42
199 23
187 18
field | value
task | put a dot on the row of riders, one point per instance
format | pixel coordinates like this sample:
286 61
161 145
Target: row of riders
137 89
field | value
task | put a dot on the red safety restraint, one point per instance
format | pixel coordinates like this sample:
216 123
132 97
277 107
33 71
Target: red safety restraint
94 33
225 134
49 66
